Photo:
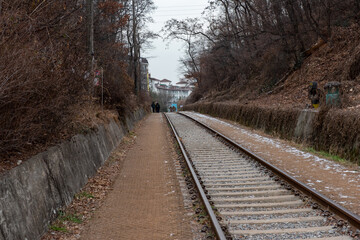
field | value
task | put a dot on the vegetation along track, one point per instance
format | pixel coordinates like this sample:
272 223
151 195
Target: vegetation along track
247 200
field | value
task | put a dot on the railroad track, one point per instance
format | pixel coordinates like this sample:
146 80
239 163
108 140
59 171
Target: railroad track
246 200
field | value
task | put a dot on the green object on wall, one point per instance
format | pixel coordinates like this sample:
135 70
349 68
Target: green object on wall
333 93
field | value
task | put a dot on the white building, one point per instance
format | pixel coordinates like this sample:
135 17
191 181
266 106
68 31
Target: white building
173 93
182 84
165 82
187 83
152 84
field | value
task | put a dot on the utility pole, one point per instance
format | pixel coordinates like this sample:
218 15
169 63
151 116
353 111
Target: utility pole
90 23
136 50
90 42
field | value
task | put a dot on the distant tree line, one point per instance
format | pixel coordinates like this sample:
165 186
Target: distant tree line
246 40
46 67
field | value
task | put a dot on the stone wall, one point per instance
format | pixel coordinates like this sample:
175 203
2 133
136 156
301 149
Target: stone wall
31 193
332 130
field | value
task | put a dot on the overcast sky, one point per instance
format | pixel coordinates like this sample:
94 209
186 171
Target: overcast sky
163 59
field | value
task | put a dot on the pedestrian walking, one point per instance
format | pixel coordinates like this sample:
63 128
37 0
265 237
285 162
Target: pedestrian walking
153 107
157 106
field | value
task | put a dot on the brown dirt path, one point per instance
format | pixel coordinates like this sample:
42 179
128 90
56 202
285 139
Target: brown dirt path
146 201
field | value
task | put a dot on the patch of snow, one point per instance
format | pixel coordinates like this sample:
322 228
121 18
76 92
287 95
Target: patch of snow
324 163
348 171
342 196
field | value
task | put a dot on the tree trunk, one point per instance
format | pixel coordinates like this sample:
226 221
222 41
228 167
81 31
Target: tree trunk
280 25
90 23
136 50
311 20
289 5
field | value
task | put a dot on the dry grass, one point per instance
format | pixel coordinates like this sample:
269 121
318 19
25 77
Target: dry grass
335 131
85 117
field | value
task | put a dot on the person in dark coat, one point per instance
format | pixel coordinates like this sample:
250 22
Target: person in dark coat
157 106
314 95
153 107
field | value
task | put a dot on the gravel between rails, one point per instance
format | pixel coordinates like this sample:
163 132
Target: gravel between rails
251 203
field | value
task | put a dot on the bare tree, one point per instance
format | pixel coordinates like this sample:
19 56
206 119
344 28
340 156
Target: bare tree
256 39
139 12
44 70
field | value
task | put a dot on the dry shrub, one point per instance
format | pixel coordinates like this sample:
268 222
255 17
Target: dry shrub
334 130
354 71
118 86
195 96
337 132
112 57
276 121
42 69
45 70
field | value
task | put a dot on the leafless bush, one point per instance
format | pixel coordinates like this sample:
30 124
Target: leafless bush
42 69
45 67
112 58
257 42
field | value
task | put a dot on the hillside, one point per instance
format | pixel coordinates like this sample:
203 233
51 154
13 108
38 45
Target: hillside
336 60
85 118
278 109
53 58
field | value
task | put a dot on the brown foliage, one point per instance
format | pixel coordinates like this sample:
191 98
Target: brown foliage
280 122
256 43
334 130
354 71
45 67
42 70
112 57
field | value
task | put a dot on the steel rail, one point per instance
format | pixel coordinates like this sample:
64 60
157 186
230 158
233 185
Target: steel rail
327 203
219 232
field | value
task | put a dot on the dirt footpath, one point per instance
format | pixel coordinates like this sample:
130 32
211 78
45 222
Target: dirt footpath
146 201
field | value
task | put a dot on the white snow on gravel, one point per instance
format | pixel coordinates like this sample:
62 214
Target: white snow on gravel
326 164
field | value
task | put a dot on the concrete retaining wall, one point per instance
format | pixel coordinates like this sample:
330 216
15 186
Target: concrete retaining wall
31 193
305 125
